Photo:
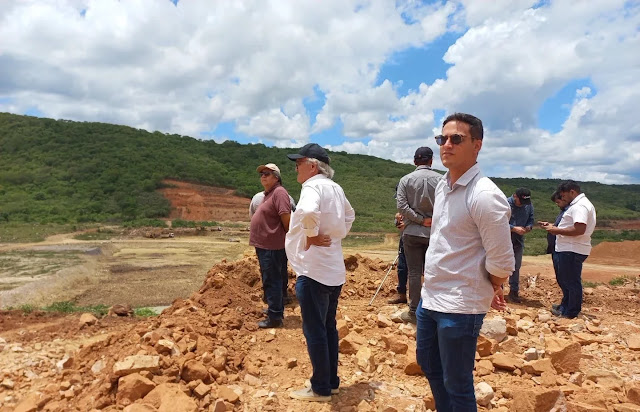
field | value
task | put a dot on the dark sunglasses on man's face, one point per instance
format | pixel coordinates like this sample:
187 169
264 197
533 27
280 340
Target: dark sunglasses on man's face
455 139
265 174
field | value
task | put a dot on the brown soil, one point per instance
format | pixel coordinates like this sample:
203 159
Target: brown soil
224 312
190 201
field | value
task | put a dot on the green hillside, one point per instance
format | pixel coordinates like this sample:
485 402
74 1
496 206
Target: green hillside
57 171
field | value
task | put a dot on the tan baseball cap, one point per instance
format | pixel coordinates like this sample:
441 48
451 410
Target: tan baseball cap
270 166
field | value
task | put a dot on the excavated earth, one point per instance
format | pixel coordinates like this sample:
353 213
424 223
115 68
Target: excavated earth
206 353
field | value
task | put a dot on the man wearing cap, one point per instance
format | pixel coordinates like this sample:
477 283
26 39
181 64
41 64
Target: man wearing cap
415 197
322 219
256 201
269 226
521 222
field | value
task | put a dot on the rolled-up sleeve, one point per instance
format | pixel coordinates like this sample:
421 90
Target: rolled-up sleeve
491 213
309 210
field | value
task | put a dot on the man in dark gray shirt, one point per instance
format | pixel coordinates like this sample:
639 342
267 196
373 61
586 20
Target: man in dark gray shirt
416 195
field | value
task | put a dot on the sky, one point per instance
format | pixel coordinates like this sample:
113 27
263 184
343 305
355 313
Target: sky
556 83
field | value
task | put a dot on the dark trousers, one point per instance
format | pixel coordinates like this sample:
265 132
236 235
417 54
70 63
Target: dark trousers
285 278
318 305
514 279
271 262
568 267
445 350
415 249
403 271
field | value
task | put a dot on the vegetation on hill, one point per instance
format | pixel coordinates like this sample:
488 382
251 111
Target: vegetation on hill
58 171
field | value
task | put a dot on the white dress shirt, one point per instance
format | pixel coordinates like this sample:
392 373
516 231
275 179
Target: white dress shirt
470 239
580 210
323 209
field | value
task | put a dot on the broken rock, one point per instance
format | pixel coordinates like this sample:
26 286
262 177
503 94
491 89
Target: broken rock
133 387
564 354
136 363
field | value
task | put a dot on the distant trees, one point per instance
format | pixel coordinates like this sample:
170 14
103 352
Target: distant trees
67 172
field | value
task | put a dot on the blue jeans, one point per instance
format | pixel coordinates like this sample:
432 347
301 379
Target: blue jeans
403 271
514 279
318 305
271 262
445 350
569 276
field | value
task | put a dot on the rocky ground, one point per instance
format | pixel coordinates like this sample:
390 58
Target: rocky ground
206 353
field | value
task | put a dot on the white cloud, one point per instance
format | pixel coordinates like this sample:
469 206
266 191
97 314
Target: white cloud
253 63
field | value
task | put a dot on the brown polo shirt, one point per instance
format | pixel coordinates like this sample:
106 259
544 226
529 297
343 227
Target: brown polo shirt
267 231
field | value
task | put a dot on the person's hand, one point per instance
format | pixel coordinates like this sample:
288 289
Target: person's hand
426 222
399 222
519 230
498 302
543 223
554 230
320 240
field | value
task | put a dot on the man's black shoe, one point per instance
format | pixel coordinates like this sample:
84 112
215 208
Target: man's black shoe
513 298
270 323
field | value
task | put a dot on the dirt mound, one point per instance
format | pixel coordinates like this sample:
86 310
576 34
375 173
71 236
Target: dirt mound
625 253
190 201
206 353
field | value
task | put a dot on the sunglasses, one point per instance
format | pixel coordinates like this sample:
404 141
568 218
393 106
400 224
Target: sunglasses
265 174
455 139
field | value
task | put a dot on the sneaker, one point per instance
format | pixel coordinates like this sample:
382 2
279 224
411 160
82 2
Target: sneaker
270 323
307 394
514 298
409 317
398 298
335 391
556 307
556 311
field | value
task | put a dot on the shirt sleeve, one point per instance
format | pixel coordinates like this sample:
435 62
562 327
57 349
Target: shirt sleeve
281 201
580 214
349 215
530 218
309 210
403 203
491 212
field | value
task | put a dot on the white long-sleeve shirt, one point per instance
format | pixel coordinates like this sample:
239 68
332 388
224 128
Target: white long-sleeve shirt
470 239
322 209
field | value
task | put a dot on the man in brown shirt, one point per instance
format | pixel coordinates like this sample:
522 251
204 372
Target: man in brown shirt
269 225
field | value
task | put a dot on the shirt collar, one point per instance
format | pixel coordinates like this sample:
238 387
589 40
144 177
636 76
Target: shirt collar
314 177
272 188
580 196
423 167
466 177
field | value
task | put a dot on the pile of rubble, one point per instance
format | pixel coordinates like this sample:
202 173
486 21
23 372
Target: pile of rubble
207 354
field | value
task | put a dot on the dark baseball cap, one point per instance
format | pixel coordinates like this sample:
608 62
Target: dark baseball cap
423 153
524 195
313 151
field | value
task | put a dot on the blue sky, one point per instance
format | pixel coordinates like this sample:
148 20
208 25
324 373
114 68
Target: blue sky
374 77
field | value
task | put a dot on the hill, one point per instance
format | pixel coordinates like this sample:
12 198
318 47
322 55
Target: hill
59 171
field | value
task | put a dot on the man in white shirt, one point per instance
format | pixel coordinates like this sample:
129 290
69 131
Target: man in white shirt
469 257
313 244
573 245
